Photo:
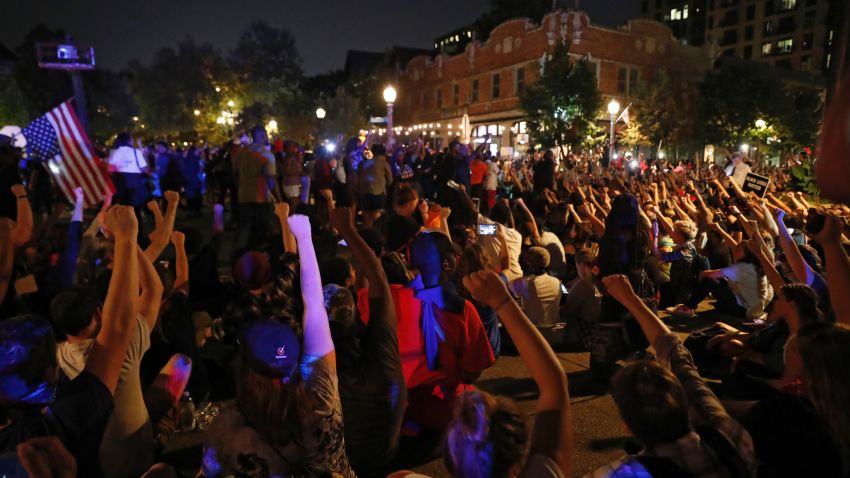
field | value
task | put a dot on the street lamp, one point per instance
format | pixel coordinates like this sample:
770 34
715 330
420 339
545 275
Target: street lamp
613 109
273 126
230 103
197 112
389 97
320 113
761 124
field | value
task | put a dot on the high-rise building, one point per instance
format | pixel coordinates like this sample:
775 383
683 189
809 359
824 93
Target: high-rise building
791 34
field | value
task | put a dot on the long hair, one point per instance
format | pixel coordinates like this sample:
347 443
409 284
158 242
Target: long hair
280 412
624 246
825 351
488 436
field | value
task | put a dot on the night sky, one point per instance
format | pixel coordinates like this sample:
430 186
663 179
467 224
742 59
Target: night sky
324 29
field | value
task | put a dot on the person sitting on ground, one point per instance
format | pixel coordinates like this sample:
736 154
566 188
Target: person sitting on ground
580 311
287 414
454 345
539 293
29 403
654 400
371 383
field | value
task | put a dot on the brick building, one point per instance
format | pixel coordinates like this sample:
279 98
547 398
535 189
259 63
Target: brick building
435 92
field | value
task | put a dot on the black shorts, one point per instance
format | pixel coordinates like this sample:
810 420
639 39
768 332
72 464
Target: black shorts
374 202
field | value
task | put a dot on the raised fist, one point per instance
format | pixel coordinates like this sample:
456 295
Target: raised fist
121 222
171 196
299 225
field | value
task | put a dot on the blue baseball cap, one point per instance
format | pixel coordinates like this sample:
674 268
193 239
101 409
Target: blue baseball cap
270 348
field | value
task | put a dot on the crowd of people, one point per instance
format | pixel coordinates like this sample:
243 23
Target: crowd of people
365 292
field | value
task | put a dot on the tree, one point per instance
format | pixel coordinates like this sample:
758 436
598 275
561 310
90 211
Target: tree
562 104
264 53
167 99
42 89
735 95
503 10
632 135
13 104
666 113
110 104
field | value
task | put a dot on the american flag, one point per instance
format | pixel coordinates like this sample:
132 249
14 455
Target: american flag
58 140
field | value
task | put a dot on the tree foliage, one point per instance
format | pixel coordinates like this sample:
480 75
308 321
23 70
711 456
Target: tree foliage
563 103
665 110
264 52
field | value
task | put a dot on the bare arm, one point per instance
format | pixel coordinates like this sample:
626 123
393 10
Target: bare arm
22 232
317 332
281 210
552 435
838 265
121 306
151 297
342 220
802 271
162 234
534 229
181 262
619 287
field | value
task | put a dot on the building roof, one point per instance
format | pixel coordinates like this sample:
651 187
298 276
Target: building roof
359 64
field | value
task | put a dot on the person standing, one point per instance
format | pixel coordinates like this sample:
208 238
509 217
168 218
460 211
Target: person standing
491 183
738 168
254 172
544 173
375 178
478 170
128 167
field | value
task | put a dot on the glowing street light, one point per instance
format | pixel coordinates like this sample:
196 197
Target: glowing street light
761 124
390 97
613 109
135 118
320 113
218 89
197 112
273 126
745 147
230 103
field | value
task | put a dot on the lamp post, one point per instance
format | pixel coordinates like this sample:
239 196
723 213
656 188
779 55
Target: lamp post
389 97
320 115
613 109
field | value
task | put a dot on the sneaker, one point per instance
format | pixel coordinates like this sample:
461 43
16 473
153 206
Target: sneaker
681 310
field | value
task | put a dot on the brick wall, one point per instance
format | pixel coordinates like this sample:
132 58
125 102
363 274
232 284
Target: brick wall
642 45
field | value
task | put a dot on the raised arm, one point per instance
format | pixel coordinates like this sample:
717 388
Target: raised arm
802 271
281 210
121 306
151 296
838 265
317 332
342 220
162 234
619 287
181 262
22 232
534 231
552 435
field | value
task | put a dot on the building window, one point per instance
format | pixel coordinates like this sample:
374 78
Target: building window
785 45
496 86
766 48
787 4
748 32
768 27
804 63
748 52
473 91
675 14
751 12
520 80
633 80
829 37
438 96
621 80
455 94
808 41
729 52
828 60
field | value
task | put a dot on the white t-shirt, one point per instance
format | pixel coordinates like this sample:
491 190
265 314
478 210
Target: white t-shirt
541 298
127 160
738 173
553 245
752 292
129 426
491 245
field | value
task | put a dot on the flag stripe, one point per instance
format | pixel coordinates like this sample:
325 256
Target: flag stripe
64 166
82 143
76 158
58 140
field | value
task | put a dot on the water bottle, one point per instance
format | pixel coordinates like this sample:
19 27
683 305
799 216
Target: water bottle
187 412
